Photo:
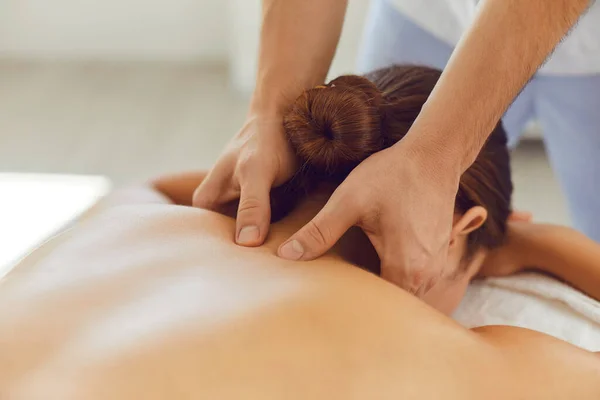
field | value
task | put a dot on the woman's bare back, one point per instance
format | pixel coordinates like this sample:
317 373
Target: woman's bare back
154 301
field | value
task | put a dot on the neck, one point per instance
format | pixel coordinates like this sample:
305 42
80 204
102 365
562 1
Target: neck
354 247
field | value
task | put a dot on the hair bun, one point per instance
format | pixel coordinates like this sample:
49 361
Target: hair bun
334 128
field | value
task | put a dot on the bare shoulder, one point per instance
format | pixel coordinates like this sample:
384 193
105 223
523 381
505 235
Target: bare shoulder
545 367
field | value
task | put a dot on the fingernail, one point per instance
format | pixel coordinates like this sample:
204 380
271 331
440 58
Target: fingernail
292 250
248 235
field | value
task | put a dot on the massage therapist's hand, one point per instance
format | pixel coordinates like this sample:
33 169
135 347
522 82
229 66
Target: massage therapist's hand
297 43
257 158
403 199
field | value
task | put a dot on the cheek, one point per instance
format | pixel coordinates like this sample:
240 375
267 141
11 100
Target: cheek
447 295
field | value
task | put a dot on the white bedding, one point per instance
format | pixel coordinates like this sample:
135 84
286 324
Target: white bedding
536 302
35 206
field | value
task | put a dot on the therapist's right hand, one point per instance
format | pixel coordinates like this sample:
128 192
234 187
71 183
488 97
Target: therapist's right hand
257 158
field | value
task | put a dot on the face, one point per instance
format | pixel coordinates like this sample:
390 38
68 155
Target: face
447 294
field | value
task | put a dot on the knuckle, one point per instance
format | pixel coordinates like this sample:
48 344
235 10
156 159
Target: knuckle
429 284
412 278
423 280
249 205
417 280
422 274
246 161
317 234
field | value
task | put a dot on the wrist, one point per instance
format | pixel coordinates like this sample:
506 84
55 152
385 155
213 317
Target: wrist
264 105
275 96
431 159
448 134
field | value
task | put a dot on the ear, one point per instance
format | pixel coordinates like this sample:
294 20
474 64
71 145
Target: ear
468 222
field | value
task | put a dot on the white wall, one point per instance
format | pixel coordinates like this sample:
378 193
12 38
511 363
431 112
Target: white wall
114 29
169 30
346 56
244 28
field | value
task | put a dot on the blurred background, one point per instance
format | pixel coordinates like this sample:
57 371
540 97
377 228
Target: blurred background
95 94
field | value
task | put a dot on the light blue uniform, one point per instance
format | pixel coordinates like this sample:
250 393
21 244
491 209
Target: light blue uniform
567 107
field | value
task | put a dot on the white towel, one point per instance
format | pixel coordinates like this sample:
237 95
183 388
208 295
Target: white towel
536 302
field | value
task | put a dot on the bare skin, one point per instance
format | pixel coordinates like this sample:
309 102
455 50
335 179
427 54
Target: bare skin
144 299
401 197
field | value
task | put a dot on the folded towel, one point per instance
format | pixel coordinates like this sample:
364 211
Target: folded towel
533 301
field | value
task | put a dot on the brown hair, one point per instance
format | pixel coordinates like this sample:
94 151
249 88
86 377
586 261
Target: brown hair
333 128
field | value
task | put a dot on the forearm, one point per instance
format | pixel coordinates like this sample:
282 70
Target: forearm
505 45
565 253
298 41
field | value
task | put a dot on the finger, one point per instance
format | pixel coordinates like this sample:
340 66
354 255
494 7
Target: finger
520 216
254 210
415 280
430 274
417 274
323 231
216 189
180 188
393 270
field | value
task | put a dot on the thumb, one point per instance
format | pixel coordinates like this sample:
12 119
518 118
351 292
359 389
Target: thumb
322 232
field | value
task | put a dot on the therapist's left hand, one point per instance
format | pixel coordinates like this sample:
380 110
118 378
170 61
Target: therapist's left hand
403 199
